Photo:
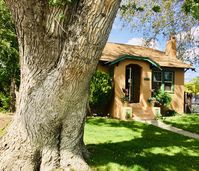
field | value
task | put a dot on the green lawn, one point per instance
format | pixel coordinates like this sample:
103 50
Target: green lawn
125 146
132 146
189 122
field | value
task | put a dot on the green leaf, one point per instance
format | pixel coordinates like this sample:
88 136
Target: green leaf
156 8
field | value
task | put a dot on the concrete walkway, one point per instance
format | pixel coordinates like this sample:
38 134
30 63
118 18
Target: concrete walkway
162 125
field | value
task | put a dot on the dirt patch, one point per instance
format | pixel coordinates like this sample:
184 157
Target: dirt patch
5 120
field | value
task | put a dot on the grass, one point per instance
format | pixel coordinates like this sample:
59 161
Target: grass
189 122
2 132
131 146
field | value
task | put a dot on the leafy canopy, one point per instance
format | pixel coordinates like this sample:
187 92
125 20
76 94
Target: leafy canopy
9 55
157 19
193 86
192 7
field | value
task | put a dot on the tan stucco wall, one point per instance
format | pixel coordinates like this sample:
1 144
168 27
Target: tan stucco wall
103 68
142 109
178 95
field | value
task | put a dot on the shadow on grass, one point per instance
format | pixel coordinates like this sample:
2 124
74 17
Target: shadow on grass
156 149
186 122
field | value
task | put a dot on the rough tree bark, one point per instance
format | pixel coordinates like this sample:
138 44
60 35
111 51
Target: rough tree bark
59 50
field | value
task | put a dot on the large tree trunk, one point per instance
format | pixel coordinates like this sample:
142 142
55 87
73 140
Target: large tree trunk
59 50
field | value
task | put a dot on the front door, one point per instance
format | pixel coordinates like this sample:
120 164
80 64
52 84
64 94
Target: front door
133 74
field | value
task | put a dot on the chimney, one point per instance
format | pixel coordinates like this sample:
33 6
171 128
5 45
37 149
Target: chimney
171 46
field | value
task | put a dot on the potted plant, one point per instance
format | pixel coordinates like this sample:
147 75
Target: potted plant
152 100
125 98
161 99
128 114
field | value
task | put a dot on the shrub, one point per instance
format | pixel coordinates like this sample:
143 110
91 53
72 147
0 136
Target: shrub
170 113
4 102
162 98
100 92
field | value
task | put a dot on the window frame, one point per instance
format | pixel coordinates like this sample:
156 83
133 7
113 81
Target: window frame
171 82
153 78
162 87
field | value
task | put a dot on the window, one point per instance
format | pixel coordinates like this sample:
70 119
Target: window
163 80
168 81
157 80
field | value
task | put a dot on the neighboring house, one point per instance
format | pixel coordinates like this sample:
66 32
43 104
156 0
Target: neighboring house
140 71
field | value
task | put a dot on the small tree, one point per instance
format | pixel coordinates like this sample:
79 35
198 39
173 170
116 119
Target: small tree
193 86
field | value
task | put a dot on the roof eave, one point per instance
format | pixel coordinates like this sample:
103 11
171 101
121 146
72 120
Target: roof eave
146 59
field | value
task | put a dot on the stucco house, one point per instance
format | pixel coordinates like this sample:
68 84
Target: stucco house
142 70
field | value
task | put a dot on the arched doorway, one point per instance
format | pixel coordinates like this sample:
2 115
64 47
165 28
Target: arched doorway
132 82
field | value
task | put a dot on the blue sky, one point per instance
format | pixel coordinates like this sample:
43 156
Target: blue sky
124 35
